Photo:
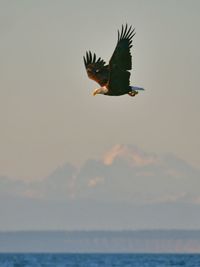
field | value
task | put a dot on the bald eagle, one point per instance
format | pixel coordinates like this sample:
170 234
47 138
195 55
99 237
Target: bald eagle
113 77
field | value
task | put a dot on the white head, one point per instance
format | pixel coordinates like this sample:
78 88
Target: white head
101 90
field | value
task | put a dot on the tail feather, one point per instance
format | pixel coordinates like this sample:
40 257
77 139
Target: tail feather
136 88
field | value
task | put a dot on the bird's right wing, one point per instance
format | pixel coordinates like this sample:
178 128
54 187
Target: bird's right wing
97 69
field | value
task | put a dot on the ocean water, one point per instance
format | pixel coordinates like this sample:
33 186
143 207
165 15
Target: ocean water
97 260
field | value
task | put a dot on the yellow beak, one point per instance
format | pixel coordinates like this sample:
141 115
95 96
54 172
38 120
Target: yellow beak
95 92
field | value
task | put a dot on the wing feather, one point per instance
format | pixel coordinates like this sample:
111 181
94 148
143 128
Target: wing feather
121 56
97 69
121 62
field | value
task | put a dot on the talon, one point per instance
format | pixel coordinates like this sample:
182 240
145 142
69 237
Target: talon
133 93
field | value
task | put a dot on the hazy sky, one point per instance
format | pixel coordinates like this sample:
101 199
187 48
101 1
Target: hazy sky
47 113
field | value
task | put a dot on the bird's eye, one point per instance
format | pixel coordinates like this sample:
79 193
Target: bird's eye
97 71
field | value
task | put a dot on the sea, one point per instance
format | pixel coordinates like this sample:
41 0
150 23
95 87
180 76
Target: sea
97 260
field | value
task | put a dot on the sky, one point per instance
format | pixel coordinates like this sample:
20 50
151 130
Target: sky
48 115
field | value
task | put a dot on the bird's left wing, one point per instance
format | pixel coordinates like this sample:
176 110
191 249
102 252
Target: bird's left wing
121 57
121 62
97 69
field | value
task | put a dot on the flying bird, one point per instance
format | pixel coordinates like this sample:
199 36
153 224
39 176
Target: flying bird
114 76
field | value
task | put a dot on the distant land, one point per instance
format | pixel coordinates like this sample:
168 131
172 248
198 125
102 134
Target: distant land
143 241
128 187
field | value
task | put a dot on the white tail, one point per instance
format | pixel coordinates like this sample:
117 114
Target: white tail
135 88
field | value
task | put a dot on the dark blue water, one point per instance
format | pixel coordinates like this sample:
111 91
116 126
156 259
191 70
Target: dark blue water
96 260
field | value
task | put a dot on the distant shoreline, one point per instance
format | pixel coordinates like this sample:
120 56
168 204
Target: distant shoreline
100 241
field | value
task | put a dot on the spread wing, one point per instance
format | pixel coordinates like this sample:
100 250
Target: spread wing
97 69
121 56
121 61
